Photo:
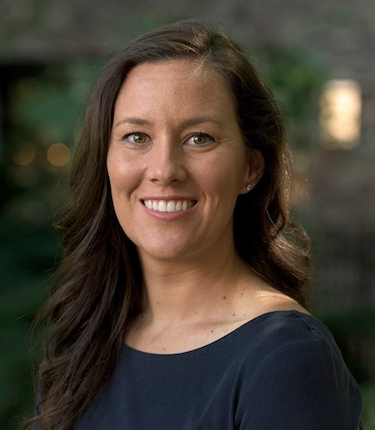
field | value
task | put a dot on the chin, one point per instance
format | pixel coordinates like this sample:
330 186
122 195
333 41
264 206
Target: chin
164 253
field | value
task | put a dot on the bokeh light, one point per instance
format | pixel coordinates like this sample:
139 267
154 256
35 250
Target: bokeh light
58 155
24 155
340 114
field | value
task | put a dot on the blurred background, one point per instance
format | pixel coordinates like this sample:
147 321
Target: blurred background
318 57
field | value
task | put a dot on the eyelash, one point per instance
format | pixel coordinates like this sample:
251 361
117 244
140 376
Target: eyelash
134 133
199 134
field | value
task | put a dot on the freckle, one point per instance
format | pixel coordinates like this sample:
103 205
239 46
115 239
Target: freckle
212 331
225 297
234 315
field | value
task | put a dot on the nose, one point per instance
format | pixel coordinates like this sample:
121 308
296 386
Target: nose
166 162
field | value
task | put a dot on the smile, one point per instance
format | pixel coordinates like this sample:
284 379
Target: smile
169 206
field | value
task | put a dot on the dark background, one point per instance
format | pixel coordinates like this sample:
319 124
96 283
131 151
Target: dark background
50 53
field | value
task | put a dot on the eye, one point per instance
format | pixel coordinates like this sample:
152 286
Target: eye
136 138
200 139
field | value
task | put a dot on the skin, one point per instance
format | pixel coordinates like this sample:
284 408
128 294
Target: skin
176 142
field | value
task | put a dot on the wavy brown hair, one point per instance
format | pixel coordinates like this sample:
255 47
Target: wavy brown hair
96 290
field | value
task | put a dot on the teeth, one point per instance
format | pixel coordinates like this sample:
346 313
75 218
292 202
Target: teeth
168 206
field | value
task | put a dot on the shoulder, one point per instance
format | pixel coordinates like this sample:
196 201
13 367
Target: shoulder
275 337
301 376
282 327
290 348
291 334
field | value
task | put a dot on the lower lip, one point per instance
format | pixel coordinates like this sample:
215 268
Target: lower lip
168 216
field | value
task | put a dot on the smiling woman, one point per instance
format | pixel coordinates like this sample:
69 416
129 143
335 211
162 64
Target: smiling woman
168 161
180 300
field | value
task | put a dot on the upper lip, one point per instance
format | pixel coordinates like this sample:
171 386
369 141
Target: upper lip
168 198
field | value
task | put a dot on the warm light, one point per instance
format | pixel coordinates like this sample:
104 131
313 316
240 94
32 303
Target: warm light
24 155
340 114
58 154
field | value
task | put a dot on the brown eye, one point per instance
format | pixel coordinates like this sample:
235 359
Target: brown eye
136 138
200 139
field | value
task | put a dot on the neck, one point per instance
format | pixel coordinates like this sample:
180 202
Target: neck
176 291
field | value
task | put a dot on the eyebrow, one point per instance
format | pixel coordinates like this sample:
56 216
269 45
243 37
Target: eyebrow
132 120
191 121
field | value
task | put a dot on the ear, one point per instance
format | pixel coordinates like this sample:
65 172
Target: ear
254 170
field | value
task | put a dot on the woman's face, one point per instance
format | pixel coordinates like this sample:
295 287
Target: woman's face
177 161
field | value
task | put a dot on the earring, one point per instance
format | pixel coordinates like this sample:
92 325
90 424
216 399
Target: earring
249 187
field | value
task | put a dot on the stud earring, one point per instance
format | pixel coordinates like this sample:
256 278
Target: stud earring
249 187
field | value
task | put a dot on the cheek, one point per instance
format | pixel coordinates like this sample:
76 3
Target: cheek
112 168
222 183
119 183
229 174
121 173
119 188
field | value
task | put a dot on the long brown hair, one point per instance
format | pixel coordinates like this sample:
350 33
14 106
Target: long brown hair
96 291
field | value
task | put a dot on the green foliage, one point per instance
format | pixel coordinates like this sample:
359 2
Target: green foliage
296 76
353 330
43 110
26 255
368 416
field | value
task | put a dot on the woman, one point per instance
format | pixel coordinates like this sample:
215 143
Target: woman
180 301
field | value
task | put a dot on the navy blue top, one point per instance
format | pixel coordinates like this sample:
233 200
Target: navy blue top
279 371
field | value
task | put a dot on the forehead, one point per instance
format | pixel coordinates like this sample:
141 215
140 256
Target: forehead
183 69
179 83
